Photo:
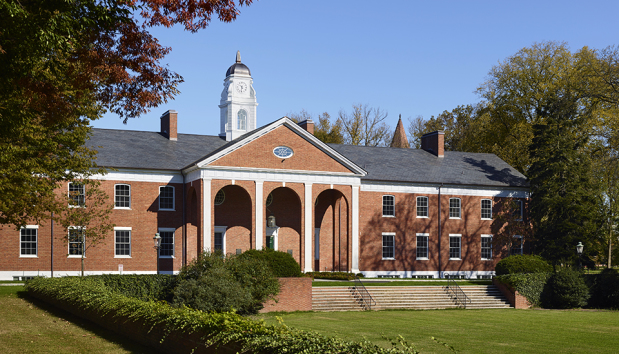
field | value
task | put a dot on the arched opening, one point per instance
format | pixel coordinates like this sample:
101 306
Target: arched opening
233 220
284 204
331 232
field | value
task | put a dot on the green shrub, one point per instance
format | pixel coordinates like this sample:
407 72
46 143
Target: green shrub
143 287
529 285
216 283
605 289
332 275
90 295
522 264
282 264
564 290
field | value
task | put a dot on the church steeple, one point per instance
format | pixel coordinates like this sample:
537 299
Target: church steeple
238 101
399 136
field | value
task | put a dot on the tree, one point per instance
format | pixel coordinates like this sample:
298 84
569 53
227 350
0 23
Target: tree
457 125
563 192
63 64
365 126
86 217
325 131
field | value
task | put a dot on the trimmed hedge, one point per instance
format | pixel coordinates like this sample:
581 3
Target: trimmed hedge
333 275
604 289
522 264
90 295
565 289
282 264
144 287
529 285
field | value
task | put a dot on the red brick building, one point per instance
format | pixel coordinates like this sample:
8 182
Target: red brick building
376 210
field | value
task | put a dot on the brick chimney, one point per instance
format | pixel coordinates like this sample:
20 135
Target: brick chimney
308 125
434 143
168 125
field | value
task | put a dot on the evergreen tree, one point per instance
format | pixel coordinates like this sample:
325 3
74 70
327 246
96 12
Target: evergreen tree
563 192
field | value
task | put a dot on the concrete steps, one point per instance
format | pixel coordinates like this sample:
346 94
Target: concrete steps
406 297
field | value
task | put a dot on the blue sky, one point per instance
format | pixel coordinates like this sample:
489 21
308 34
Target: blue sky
406 57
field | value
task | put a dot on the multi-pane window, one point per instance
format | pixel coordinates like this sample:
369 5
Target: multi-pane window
122 196
422 207
388 246
517 209
516 247
122 241
77 194
220 197
76 242
486 209
166 248
486 247
454 246
166 198
454 208
28 241
422 246
242 120
388 205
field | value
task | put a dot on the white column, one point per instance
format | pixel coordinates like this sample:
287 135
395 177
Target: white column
206 217
259 214
355 229
309 230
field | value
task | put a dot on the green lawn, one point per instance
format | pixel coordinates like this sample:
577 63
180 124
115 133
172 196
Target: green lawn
472 331
29 326
319 282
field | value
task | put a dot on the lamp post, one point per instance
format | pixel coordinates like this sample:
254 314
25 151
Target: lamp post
579 248
157 240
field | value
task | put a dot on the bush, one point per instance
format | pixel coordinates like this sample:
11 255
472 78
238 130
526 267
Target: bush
565 289
213 282
332 275
529 285
522 264
143 287
282 264
605 289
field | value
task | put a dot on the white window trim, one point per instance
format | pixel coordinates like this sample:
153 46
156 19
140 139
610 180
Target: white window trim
121 228
69 255
173 199
427 206
521 211
29 255
460 236
173 230
382 199
221 229
491 250
122 184
481 208
382 245
460 208
69 195
422 258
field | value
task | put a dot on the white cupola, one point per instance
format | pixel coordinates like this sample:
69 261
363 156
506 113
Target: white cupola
238 101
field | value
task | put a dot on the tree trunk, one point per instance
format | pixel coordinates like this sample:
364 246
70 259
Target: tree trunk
610 248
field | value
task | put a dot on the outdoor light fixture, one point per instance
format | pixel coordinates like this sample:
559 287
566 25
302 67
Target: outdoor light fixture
271 221
579 248
157 240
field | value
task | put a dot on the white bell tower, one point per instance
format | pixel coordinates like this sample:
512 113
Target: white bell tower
238 101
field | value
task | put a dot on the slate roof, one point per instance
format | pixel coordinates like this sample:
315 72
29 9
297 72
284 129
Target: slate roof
416 165
151 150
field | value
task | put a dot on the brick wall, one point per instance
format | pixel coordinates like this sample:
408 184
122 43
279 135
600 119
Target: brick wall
295 295
513 296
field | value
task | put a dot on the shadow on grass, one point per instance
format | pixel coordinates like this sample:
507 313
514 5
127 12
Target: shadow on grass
110 336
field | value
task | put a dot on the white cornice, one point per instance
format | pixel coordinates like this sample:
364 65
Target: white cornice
137 175
479 191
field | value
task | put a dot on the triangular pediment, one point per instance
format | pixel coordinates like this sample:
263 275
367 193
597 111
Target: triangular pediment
257 150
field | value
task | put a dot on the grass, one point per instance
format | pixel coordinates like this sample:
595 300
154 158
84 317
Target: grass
471 331
30 326
319 282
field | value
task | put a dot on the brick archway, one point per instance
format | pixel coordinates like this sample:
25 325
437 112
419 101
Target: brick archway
331 241
235 214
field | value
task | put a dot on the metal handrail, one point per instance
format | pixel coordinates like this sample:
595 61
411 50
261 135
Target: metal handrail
457 291
364 294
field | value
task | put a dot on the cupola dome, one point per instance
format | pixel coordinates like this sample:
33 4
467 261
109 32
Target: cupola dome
238 68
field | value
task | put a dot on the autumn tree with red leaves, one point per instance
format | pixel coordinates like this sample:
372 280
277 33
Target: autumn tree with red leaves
63 63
